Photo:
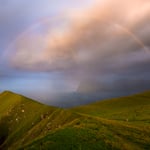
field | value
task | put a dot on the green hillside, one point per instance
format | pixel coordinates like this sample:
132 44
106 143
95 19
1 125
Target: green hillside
18 114
94 133
133 109
117 124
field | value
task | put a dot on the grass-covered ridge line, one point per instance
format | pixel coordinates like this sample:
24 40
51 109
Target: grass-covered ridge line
19 114
120 123
134 108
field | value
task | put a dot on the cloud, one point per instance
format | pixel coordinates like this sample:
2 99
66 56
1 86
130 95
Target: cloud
76 39
104 47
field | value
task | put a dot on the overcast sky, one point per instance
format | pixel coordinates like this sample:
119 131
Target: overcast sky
72 52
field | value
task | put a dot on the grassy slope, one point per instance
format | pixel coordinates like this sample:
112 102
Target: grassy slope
18 114
92 131
44 127
134 108
7 102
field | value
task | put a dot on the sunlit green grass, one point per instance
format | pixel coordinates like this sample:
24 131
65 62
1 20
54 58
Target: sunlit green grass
118 124
135 108
20 114
94 133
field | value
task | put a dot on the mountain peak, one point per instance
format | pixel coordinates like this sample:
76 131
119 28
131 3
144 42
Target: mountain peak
6 92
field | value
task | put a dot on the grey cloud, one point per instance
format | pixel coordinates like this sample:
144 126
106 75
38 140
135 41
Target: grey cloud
104 49
91 38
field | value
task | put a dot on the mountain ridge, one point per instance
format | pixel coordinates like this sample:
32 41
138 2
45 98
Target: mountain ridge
121 107
27 124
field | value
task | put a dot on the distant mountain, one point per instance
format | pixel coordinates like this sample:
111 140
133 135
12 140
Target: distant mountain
121 123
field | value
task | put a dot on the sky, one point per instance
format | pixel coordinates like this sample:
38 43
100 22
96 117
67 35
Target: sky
73 52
